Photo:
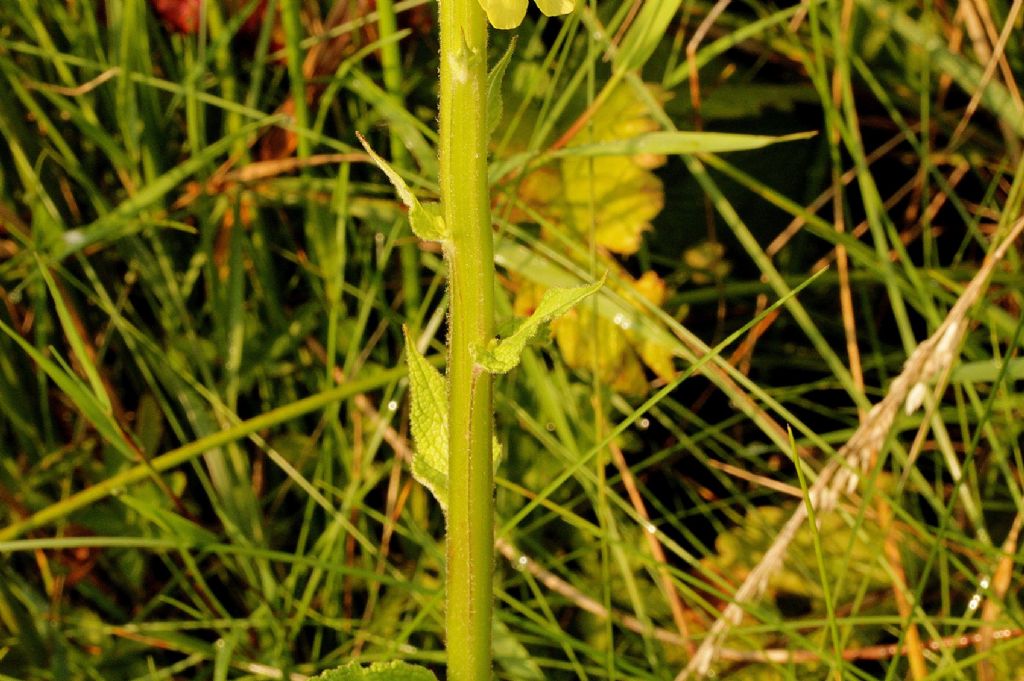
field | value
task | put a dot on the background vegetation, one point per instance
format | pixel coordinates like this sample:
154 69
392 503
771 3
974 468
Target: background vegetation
204 463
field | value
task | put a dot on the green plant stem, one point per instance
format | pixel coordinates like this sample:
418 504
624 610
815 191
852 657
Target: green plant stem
470 253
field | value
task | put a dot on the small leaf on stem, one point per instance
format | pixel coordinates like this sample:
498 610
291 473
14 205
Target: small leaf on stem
494 80
425 219
501 356
429 423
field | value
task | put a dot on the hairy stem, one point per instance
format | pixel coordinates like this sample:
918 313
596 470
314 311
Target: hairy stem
466 205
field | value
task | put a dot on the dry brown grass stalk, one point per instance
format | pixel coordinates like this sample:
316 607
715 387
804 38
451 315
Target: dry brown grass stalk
932 356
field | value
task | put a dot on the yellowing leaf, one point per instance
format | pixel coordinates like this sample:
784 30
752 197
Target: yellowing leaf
656 356
528 295
651 287
658 359
542 191
620 197
621 354
503 355
617 194
425 219
623 116
429 421
707 262
738 550
615 197
580 336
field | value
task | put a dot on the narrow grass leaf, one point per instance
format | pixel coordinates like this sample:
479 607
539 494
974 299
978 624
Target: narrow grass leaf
418 138
119 222
20 621
987 371
666 142
83 399
425 219
645 34
968 75
187 452
503 355
224 652
74 339
173 525
680 142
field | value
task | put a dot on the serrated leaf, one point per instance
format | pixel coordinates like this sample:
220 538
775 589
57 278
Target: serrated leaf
425 219
399 119
430 434
378 671
614 343
494 81
503 355
429 421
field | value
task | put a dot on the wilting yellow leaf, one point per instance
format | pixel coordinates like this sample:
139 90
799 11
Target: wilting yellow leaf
542 190
617 351
618 195
615 198
579 336
707 262
651 287
528 295
658 359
